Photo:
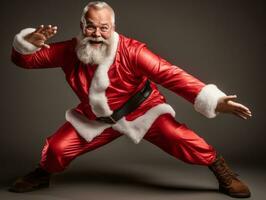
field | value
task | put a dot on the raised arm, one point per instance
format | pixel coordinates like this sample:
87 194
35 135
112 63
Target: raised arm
31 51
207 99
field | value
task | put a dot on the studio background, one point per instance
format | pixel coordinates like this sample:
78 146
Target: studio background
220 42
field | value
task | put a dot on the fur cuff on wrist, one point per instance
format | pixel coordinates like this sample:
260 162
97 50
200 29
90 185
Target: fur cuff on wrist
207 100
21 45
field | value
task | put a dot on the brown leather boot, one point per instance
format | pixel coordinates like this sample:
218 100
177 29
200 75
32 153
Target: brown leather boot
34 180
228 181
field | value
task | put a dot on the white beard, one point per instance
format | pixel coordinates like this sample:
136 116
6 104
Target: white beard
93 55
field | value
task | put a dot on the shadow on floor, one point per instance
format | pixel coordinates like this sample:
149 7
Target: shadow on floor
115 178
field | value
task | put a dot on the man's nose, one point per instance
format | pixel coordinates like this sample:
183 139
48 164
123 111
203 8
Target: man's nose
97 33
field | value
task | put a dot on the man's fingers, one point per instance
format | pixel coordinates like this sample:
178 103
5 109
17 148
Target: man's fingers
54 28
244 112
243 109
239 114
236 114
47 31
51 31
39 29
230 97
42 34
45 45
239 107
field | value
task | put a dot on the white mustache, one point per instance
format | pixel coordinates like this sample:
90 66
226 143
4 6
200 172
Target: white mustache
99 39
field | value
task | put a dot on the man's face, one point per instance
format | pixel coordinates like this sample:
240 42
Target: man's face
99 26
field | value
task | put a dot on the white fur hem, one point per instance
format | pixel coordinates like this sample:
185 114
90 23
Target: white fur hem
207 99
135 129
21 45
88 129
100 82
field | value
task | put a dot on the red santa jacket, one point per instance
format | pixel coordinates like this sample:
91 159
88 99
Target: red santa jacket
106 87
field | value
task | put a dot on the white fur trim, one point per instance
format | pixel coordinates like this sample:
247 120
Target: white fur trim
88 129
207 99
21 45
135 129
100 82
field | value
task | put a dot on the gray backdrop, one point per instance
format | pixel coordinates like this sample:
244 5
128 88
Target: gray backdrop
220 42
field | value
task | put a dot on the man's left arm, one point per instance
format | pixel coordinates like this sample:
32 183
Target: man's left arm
207 99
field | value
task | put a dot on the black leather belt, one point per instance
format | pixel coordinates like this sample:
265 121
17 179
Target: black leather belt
129 106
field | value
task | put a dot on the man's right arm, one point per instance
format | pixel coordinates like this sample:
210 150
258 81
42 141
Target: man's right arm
31 52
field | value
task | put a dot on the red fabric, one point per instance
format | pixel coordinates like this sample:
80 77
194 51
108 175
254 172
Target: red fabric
172 137
66 144
133 64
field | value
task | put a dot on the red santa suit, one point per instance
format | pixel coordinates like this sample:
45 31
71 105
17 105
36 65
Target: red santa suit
106 87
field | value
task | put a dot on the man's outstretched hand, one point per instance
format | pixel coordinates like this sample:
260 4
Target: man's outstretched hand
40 35
227 105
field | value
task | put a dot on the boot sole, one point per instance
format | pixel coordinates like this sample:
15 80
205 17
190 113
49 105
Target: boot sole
235 195
33 188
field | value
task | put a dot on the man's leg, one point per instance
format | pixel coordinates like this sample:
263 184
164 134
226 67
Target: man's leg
59 150
181 142
66 144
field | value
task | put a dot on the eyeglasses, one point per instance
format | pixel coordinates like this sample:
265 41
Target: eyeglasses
103 29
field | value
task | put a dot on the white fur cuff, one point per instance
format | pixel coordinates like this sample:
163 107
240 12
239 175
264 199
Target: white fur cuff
206 101
21 45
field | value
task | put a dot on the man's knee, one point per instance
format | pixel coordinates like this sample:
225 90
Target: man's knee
54 157
60 148
56 148
57 144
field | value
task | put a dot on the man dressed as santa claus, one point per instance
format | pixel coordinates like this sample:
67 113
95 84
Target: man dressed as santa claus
115 79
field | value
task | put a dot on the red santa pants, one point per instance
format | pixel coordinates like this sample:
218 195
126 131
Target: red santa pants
174 138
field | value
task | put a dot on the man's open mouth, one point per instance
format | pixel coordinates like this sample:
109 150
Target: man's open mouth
95 42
